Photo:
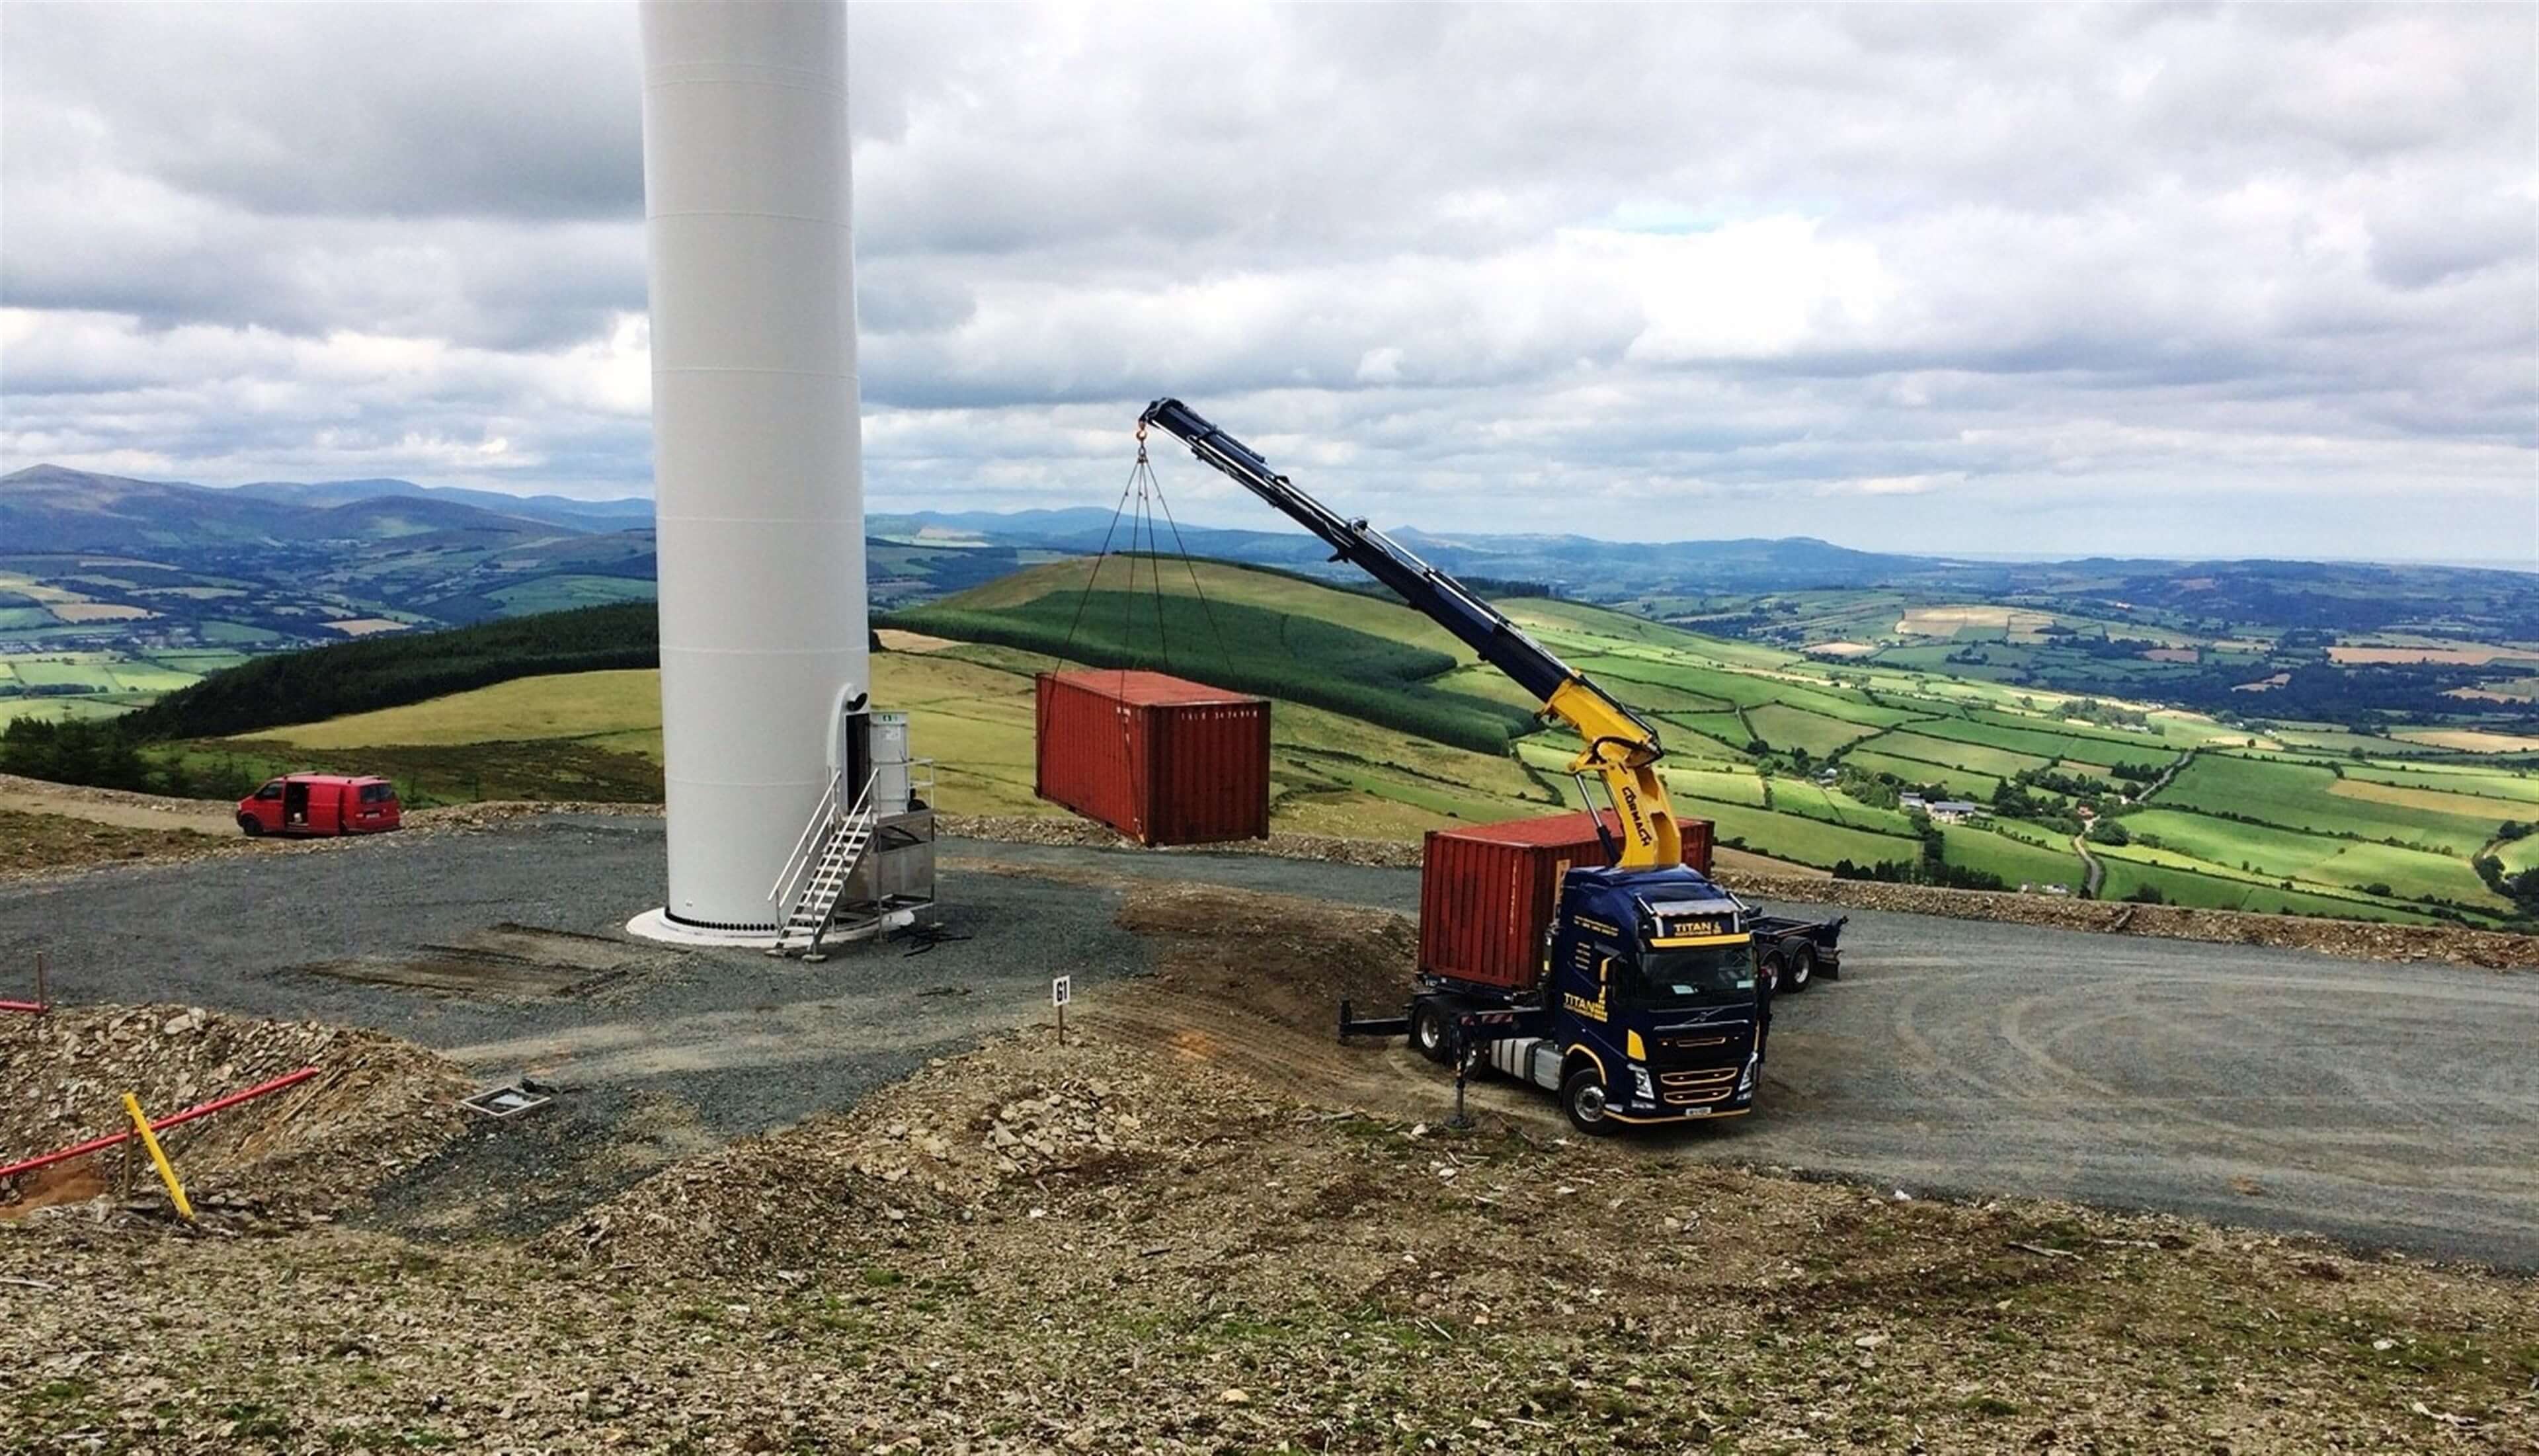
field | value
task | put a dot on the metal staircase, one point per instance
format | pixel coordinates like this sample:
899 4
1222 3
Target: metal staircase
815 875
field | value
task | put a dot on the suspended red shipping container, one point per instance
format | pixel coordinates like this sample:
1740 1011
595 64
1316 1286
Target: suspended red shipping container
1161 759
1487 892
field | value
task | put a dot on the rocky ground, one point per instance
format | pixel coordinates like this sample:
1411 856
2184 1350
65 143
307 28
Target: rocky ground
377 1107
1146 1239
1038 1247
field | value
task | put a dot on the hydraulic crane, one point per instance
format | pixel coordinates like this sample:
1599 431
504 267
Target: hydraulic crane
1621 748
1653 995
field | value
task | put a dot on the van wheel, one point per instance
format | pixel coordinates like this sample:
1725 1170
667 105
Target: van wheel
1583 1098
1430 1033
252 826
1800 968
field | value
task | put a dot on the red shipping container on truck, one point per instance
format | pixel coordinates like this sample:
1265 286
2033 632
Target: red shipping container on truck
1487 892
1161 759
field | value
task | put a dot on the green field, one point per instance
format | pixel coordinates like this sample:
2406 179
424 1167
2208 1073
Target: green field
564 592
1330 774
60 685
2016 860
2048 743
2301 795
578 705
1796 837
1718 730
1811 800
1786 728
1998 763
2284 854
2126 874
1959 782
2475 781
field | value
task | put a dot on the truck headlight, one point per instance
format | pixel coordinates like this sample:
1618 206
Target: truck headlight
1641 1085
1745 1082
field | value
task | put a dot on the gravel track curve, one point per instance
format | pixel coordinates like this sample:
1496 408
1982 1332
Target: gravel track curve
2388 1105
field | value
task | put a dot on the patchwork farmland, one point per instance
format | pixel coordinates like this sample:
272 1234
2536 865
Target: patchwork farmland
1807 759
1385 728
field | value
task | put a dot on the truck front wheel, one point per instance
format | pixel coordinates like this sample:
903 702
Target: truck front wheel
250 826
1430 1033
1583 1098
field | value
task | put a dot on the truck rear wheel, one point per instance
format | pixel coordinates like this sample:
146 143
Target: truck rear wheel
250 826
1430 1032
1582 1096
1799 967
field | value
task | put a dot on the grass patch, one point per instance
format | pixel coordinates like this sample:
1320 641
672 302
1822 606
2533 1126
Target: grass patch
2297 795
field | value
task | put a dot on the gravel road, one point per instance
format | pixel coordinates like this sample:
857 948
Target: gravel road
2384 1104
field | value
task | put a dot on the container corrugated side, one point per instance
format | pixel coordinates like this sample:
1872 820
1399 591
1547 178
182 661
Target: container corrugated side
1088 752
1191 769
1487 897
1208 768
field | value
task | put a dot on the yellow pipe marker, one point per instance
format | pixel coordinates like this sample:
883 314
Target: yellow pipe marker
167 1171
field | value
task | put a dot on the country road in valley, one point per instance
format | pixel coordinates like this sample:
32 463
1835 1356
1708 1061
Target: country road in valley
2383 1104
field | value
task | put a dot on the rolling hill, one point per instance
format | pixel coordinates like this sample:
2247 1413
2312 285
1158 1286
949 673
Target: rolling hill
1790 756
133 570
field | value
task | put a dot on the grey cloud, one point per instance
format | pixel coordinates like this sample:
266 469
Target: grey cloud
1481 261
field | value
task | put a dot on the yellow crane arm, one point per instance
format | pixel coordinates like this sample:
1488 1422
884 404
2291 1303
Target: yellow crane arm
1621 751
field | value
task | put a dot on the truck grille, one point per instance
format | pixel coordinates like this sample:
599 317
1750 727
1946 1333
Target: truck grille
1693 1089
1695 1050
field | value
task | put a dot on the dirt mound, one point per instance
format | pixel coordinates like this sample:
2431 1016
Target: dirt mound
1021 1244
46 843
950 1145
115 805
1287 960
375 1106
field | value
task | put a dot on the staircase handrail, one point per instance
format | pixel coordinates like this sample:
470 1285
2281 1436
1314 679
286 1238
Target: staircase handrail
807 848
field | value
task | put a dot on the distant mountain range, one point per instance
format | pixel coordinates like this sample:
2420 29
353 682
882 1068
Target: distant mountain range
88 559
610 515
51 508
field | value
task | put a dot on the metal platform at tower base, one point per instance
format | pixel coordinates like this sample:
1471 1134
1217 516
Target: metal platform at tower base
657 926
889 888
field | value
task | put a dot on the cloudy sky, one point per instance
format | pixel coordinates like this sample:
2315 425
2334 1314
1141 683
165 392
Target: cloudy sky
2178 281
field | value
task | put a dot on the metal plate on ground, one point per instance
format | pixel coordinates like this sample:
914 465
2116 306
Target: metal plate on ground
501 1102
507 963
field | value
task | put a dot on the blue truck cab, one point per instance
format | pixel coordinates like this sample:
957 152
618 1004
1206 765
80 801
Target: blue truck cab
1653 1001
1653 1005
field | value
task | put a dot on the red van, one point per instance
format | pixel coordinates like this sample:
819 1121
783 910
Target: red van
321 804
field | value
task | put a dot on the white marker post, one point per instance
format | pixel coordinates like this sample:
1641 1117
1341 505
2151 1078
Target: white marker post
1061 989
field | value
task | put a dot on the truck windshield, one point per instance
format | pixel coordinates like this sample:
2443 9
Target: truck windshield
1705 975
